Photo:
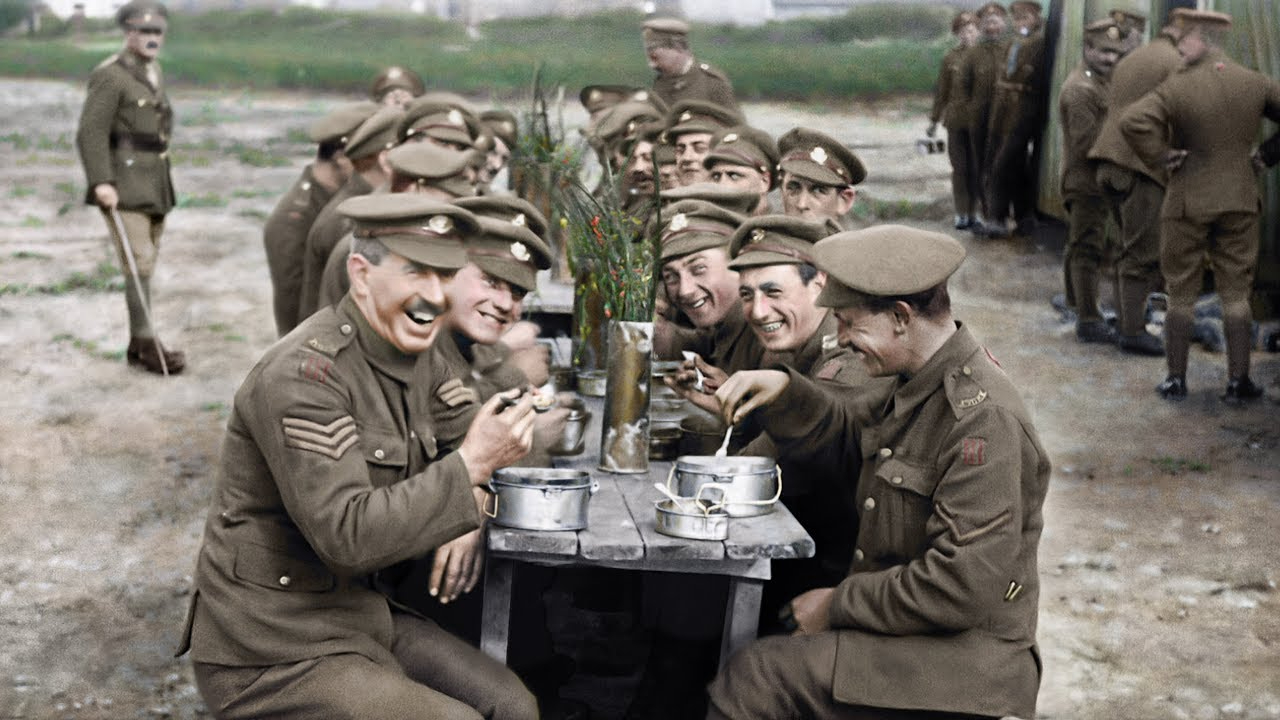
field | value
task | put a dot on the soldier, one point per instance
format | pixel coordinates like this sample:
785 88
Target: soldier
1212 109
680 75
937 615
744 158
1135 190
330 474
367 149
739 202
1133 26
123 139
818 175
424 169
396 86
504 129
285 234
440 118
978 71
1082 105
690 127
949 109
1017 117
664 156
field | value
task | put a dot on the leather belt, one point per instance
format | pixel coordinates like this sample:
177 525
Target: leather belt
145 143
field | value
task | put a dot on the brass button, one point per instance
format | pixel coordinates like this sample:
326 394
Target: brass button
869 504
306 186
896 479
413 434
142 102
379 454
858 555
224 517
346 329
966 370
285 580
886 452
313 343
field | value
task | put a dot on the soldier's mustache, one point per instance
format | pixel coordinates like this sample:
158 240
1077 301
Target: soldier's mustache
423 312
152 45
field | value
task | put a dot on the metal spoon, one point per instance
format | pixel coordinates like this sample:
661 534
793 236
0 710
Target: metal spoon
724 446
692 357
680 503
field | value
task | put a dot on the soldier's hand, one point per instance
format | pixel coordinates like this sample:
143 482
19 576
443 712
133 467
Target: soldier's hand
747 390
548 427
500 434
1174 158
812 611
457 566
106 196
931 130
534 361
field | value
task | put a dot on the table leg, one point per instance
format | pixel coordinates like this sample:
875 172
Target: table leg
496 620
742 616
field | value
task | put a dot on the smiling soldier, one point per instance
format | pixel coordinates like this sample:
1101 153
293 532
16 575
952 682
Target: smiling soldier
123 139
331 474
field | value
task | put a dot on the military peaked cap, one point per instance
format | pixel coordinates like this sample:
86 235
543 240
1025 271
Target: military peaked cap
819 158
412 226
376 134
337 125
885 261
746 146
775 240
697 116
690 226
396 77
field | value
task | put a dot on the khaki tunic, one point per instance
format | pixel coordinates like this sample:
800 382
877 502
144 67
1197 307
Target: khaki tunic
702 82
328 229
1137 74
285 238
334 281
947 89
123 136
1017 115
1082 106
330 473
939 609
730 345
979 68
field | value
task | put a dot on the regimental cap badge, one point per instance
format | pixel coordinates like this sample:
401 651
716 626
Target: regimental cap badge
641 96
678 223
593 96
146 17
440 224
394 73
455 117
631 128
731 137
1113 32
818 155
519 251
686 116
757 235
518 220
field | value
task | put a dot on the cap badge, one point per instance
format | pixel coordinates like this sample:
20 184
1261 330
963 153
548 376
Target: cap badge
455 117
757 235
686 116
394 73
440 224
518 220
631 127
1113 32
519 251
731 137
641 96
593 96
678 223
146 17
818 155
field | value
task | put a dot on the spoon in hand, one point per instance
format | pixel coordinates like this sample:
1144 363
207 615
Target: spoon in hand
724 446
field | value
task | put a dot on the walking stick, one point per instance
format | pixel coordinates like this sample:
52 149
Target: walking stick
137 284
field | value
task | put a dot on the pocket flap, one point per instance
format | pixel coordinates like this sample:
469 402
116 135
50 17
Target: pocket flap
271 569
382 447
902 475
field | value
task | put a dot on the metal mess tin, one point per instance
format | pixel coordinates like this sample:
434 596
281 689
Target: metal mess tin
591 383
571 439
751 485
542 498
685 519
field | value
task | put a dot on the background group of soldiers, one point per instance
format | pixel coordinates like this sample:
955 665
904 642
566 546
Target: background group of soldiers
1158 138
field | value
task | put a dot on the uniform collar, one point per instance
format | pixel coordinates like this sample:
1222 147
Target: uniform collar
808 354
912 391
728 329
377 350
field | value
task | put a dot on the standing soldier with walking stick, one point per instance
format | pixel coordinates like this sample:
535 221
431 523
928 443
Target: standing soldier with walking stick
123 141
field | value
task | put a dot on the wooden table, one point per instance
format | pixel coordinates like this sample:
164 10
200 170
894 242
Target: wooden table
620 533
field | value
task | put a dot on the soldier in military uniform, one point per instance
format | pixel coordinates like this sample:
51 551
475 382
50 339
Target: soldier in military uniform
1135 190
367 149
690 126
951 110
1212 110
744 158
680 75
330 475
937 615
503 127
818 175
284 237
1082 105
396 85
978 70
123 139
1017 117
1133 26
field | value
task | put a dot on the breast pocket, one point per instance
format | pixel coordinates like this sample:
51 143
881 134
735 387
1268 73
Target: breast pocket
142 115
269 568
387 454
903 495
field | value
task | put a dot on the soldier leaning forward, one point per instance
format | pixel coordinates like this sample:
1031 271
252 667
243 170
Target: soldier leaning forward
123 139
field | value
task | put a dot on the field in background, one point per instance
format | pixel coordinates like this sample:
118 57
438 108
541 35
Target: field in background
873 50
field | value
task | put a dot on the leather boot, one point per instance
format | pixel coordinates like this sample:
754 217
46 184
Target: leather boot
1239 335
143 352
1177 339
1241 390
1132 310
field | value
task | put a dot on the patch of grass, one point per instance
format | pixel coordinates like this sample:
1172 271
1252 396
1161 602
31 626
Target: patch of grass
219 327
105 277
89 346
17 140
21 191
258 157
297 136
870 208
247 193
206 200
29 255
254 214
1177 466
31 221
214 406
68 188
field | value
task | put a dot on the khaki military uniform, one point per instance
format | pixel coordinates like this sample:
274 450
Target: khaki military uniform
123 140
327 231
979 67
1212 109
285 238
334 281
950 108
330 474
730 345
1017 117
1133 188
938 612
1082 108
701 82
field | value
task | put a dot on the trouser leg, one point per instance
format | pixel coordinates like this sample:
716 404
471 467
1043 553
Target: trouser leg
959 151
1086 240
1139 264
1234 255
1182 262
143 237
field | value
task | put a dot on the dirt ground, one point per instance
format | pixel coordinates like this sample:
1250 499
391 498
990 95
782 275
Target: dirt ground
1158 557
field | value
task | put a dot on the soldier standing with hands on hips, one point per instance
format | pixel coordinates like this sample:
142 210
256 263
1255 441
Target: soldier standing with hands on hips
123 139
